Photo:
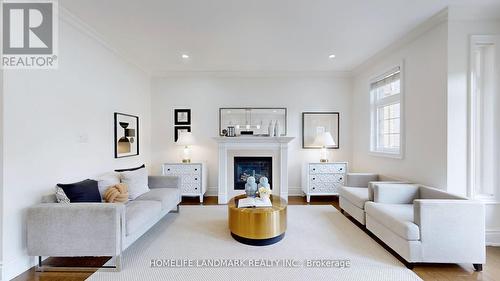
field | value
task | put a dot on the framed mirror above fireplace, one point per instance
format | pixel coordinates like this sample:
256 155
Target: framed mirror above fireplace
253 121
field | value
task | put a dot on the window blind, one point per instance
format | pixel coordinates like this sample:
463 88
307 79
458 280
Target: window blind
387 78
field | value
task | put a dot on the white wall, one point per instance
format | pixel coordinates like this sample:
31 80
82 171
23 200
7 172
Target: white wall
206 94
458 67
46 112
460 31
424 89
1 170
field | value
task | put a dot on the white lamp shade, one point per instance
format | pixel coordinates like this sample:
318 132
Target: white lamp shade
185 139
324 139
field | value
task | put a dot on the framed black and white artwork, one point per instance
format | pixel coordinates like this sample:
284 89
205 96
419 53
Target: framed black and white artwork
179 129
316 123
182 116
126 135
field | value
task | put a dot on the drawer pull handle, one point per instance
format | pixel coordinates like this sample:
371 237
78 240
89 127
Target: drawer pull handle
168 169
195 179
195 188
314 179
314 169
340 178
314 187
196 169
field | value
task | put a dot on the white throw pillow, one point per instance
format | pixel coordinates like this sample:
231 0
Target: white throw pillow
61 196
107 180
137 182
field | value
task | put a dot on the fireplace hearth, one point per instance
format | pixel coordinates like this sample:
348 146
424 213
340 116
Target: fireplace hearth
248 166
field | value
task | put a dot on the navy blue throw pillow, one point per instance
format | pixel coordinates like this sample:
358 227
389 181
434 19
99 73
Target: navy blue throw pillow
84 191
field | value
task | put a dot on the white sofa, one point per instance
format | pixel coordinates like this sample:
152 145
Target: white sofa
357 191
424 224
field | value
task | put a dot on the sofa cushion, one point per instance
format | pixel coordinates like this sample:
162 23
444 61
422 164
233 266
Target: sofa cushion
360 179
139 213
84 191
356 195
168 197
137 182
396 217
395 193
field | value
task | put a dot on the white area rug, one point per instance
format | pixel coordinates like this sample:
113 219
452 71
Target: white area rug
314 232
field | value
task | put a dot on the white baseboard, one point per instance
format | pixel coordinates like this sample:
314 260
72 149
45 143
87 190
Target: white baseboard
211 191
295 191
493 237
11 269
292 191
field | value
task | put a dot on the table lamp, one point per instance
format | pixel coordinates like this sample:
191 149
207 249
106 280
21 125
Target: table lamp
186 139
324 140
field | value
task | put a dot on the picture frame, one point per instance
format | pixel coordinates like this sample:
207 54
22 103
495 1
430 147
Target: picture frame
317 122
179 129
182 116
126 135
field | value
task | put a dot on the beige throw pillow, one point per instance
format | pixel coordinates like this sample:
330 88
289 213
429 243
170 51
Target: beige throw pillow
116 194
106 181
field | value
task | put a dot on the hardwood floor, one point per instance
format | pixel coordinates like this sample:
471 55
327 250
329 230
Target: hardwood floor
428 272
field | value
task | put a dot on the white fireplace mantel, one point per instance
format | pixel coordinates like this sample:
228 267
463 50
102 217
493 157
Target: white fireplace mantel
227 144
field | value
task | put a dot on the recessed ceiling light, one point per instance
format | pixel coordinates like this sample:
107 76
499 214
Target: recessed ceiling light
332 56
185 56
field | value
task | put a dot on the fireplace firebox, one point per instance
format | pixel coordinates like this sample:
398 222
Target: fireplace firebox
247 166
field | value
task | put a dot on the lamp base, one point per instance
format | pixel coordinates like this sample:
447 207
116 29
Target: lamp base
323 160
186 161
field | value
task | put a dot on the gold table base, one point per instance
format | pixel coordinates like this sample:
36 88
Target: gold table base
258 226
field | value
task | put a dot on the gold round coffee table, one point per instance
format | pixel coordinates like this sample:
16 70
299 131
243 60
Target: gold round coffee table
257 226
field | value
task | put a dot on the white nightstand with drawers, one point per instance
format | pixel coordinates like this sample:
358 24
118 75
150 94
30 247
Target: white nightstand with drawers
323 178
192 176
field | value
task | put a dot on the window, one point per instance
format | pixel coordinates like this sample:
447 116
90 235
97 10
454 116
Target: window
484 118
386 112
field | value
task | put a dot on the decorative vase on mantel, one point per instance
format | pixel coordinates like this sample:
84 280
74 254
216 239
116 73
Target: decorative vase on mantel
270 129
277 129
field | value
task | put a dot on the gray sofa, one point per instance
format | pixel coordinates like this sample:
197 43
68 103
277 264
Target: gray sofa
425 224
98 229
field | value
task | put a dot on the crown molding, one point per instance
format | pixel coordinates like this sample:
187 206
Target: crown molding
251 74
486 13
432 22
68 17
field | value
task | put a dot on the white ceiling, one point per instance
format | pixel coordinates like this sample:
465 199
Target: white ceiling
254 35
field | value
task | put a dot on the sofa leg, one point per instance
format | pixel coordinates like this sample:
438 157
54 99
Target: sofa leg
478 267
342 211
176 210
